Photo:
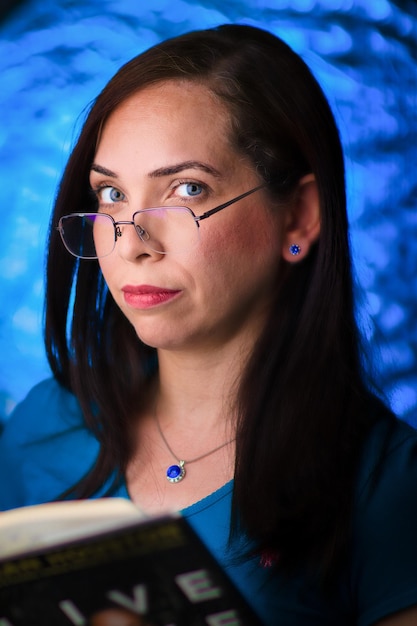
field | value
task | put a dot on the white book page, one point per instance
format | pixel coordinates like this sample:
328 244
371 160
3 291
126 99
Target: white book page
39 526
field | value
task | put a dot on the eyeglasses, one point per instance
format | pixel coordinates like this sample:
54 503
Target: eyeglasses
164 230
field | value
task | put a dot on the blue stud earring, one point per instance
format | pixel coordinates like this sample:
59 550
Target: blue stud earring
295 249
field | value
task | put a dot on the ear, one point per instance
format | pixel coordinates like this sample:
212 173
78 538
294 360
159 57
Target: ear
302 226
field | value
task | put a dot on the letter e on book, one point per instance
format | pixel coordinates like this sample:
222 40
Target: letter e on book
197 586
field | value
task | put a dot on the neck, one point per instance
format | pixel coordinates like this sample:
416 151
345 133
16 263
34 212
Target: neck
191 412
197 390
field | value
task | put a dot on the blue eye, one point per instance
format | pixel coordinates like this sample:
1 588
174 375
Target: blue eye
190 189
193 189
110 195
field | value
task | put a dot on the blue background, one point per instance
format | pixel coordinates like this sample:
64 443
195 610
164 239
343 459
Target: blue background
55 56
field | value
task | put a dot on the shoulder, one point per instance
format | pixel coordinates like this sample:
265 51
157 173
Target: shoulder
384 554
47 410
45 446
389 460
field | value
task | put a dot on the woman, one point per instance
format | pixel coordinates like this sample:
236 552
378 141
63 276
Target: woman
206 358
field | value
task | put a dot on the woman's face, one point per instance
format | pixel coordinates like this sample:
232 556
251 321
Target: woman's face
168 145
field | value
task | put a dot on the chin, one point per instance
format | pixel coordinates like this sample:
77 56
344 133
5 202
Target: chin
158 339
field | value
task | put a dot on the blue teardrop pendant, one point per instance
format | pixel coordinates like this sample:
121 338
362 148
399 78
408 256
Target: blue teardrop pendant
175 473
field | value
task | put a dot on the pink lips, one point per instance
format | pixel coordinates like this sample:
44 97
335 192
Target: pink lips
147 296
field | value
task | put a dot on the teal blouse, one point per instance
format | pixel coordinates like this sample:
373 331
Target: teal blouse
45 448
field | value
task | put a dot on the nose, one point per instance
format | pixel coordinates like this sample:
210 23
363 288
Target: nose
131 242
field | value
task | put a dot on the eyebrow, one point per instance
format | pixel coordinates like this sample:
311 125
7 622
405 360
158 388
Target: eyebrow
185 165
102 170
164 171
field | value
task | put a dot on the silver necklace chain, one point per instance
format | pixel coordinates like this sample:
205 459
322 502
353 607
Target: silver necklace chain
175 473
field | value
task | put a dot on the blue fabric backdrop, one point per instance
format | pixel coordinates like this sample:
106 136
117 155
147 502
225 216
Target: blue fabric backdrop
55 55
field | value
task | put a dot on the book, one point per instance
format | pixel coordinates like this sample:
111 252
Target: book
104 563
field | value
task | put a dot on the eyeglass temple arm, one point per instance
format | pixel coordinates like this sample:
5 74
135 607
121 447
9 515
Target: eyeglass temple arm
226 204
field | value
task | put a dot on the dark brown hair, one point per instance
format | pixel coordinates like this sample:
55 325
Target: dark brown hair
303 406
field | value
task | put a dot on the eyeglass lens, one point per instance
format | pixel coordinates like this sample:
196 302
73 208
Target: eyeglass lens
162 229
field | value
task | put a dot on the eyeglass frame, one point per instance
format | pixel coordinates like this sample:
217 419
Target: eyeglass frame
118 233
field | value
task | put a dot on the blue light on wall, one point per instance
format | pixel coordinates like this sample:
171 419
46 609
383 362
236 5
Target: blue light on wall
55 56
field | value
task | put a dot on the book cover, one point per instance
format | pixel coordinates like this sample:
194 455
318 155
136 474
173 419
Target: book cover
146 572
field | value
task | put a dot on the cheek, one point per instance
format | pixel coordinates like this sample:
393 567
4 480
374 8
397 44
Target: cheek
224 240
103 265
106 266
241 263
245 241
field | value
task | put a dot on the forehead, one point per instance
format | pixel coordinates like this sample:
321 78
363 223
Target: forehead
176 102
169 121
